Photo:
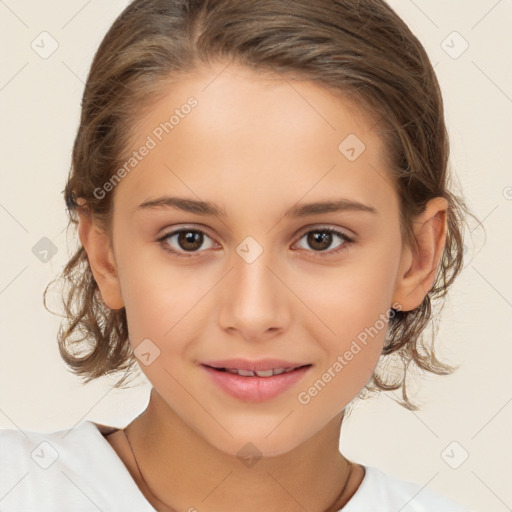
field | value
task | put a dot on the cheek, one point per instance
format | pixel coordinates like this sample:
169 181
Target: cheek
354 306
359 319
349 298
160 314
159 298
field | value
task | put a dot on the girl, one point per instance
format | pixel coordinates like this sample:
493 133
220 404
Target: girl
261 193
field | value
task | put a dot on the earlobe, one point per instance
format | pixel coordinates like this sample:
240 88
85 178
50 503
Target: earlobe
96 244
420 263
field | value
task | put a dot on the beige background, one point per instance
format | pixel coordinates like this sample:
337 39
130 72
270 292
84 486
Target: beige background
40 101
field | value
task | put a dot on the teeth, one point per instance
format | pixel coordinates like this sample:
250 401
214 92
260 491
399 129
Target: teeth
264 373
245 373
259 373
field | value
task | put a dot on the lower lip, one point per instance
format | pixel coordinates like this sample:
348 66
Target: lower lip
255 389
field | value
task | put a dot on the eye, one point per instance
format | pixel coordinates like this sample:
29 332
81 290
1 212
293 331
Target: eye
187 239
321 239
190 240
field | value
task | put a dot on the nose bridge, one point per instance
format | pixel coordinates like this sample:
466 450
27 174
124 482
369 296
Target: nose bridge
252 277
254 299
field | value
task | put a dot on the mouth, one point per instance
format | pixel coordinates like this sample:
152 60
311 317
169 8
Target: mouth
255 385
258 373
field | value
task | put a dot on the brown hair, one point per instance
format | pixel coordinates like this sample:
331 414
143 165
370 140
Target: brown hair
360 49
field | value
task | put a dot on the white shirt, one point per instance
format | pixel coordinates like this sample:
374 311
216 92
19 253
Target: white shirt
77 470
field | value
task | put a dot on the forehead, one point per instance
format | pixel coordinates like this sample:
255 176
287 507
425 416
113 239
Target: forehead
266 134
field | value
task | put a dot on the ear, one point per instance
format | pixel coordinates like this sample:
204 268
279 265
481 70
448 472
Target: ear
101 260
419 264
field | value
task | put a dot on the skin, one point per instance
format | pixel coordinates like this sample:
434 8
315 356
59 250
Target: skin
255 145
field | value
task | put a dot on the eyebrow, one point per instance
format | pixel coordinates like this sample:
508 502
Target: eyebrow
297 210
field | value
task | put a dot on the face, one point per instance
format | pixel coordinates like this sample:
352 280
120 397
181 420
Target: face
253 282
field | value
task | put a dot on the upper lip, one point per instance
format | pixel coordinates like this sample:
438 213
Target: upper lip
259 365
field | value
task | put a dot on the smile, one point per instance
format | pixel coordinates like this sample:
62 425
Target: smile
255 385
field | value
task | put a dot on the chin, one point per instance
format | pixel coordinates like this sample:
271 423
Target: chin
257 443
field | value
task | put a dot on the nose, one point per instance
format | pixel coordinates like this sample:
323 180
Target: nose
254 302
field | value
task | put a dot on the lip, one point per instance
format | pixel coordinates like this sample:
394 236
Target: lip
261 364
255 389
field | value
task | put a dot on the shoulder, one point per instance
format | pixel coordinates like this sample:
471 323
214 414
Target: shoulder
72 469
26 447
379 489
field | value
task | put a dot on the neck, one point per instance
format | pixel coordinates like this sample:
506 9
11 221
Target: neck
176 467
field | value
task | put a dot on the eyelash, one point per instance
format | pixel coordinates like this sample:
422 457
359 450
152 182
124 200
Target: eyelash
347 241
